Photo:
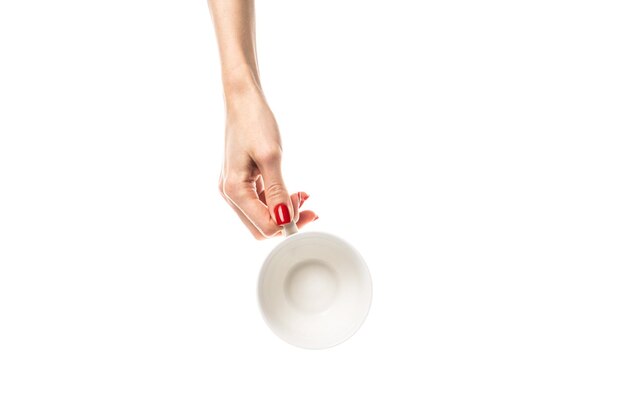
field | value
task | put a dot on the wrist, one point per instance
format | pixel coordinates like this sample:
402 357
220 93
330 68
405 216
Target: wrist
242 90
240 80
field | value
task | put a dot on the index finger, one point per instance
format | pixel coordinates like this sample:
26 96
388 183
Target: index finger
243 195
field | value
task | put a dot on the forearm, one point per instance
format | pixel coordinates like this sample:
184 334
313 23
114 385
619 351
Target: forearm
235 30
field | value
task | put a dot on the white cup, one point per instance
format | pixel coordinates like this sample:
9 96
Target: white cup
315 289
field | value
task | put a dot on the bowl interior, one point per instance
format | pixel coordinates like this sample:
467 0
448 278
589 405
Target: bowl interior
314 290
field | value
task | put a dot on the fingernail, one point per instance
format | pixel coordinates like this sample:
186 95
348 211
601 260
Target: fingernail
316 218
281 212
302 196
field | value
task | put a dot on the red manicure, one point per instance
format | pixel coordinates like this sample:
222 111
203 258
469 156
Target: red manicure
303 197
281 212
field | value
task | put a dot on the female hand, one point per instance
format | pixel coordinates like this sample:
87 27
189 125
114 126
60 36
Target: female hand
251 180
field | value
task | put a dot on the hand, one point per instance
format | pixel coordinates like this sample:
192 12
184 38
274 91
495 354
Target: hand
251 180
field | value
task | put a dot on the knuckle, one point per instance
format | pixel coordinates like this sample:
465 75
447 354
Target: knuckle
270 155
274 191
229 189
258 236
268 231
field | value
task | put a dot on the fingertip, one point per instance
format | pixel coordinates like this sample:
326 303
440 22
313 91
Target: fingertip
282 214
306 217
302 197
295 205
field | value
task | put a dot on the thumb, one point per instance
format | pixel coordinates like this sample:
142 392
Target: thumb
276 194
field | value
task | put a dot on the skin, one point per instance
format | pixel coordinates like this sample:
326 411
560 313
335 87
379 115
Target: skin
251 181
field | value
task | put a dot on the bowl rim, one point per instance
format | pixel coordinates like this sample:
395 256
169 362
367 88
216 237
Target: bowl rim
304 235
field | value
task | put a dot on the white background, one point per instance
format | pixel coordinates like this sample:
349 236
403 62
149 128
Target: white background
473 151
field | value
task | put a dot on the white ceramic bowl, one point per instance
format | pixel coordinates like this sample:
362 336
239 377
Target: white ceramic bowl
315 290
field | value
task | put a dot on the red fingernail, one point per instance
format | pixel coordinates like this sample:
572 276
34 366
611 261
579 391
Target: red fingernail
316 218
281 212
302 197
